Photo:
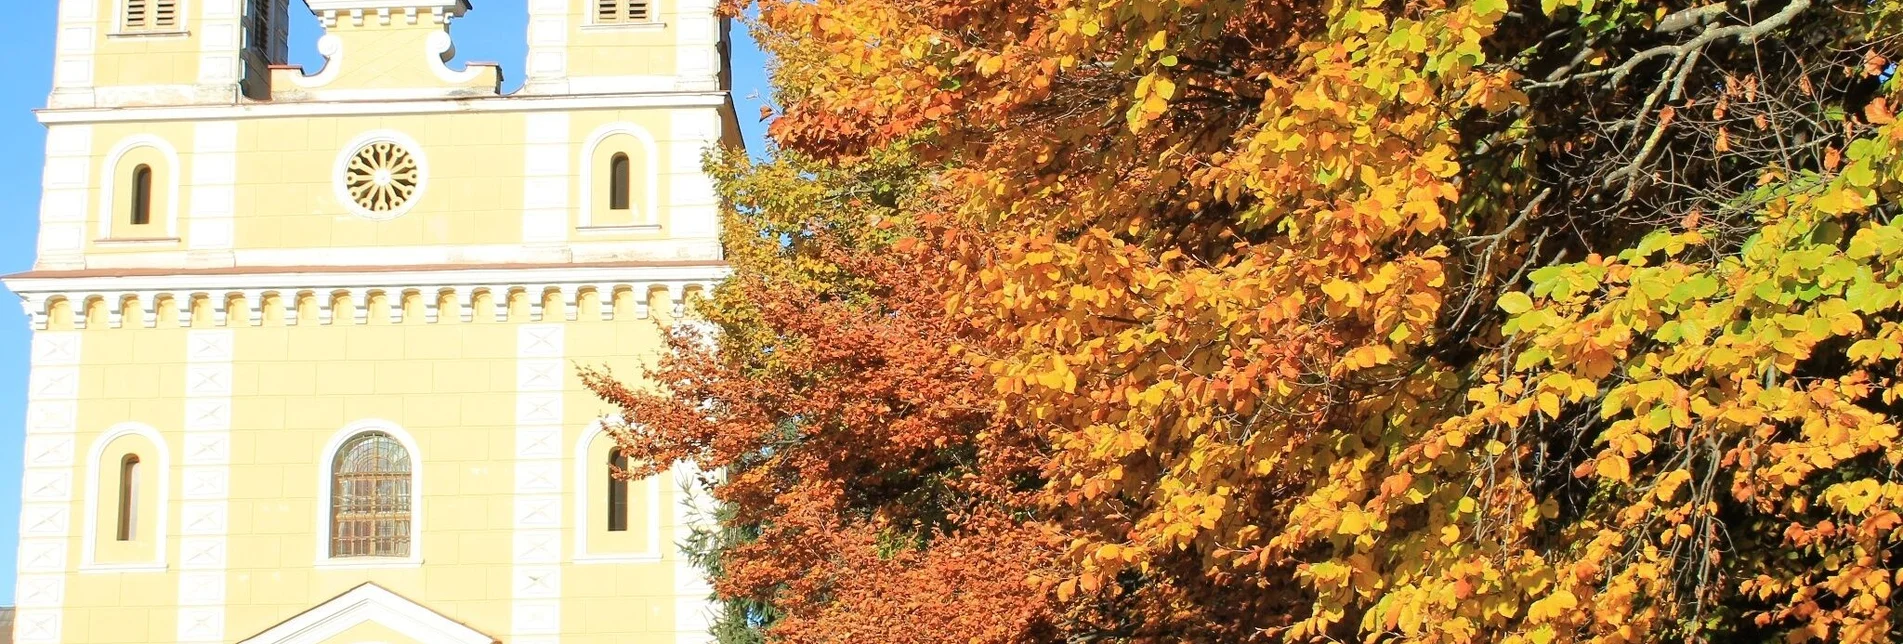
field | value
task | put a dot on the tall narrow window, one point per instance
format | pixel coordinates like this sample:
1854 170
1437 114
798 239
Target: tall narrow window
141 196
617 492
370 498
129 498
618 182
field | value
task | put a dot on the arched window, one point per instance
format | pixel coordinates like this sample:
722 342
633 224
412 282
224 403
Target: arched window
370 498
617 492
129 497
618 182
141 203
124 528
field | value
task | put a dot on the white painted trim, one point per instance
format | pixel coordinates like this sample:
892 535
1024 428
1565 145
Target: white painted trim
491 104
329 461
40 296
606 231
385 11
89 539
650 25
704 276
649 215
331 47
585 468
155 35
109 176
438 50
369 603
350 150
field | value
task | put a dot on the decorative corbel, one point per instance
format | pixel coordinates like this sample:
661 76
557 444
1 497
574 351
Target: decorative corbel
254 307
287 305
116 311
465 298
187 305
499 302
537 300
393 301
360 305
605 301
571 301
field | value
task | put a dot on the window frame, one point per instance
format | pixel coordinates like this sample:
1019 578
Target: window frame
621 9
382 521
122 27
645 206
323 525
587 510
156 464
112 225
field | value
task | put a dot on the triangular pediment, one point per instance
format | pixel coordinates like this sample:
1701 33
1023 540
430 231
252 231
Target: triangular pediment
370 604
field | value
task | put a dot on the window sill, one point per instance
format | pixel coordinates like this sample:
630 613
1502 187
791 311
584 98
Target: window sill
136 241
618 230
617 558
179 33
370 562
100 568
650 25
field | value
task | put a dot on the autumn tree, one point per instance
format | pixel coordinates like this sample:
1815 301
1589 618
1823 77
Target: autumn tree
1391 321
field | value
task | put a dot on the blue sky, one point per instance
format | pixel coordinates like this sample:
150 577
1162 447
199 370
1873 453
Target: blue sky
493 31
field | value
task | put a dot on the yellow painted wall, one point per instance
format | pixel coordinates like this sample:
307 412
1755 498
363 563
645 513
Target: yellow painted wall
286 196
254 182
452 386
126 58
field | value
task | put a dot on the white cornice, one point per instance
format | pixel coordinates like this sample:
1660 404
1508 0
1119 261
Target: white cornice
267 279
242 299
516 103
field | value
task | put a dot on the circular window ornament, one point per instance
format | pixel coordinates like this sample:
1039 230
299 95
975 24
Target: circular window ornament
381 176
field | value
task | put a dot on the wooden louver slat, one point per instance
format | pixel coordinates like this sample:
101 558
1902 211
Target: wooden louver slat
165 14
135 15
621 11
150 15
258 33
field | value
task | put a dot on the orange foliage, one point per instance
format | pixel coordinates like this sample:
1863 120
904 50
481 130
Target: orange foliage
1421 321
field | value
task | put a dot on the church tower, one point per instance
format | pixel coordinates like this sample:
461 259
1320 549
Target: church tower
305 347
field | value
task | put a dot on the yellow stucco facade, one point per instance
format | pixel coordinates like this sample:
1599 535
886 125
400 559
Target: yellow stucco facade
305 339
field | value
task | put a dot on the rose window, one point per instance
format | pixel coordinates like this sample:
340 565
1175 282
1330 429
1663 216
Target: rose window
381 178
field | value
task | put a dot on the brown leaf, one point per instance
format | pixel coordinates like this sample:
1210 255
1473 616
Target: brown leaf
1690 222
1874 63
1878 112
1833 157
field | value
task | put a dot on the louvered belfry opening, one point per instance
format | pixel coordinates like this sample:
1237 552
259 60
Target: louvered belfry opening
621 11
370 498
258 27
150 15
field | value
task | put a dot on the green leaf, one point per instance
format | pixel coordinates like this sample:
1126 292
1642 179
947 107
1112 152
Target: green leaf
1515 303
